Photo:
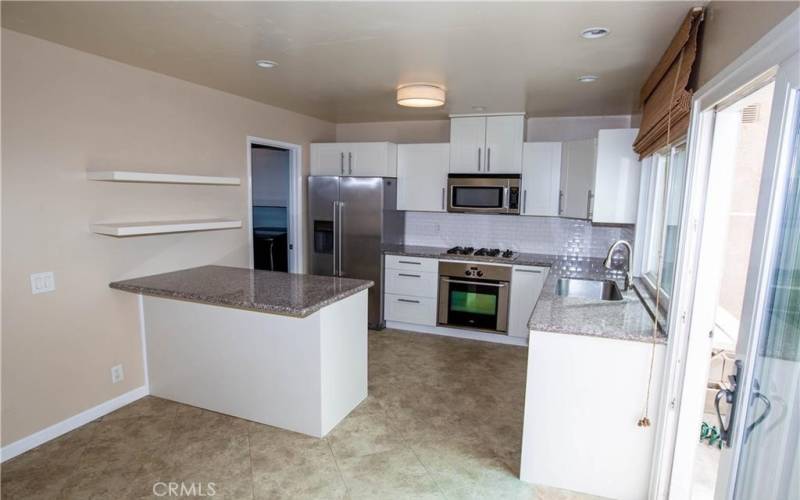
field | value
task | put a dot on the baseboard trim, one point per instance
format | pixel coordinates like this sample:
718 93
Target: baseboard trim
458 333
38 438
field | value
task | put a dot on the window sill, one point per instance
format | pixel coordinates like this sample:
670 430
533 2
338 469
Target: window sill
643 291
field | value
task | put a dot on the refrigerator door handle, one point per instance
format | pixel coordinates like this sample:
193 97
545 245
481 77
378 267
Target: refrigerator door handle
339 238
335 237
341 163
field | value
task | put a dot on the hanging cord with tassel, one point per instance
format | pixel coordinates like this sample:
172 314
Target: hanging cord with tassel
645 420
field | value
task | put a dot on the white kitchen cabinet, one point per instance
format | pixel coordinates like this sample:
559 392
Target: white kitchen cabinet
467 144
327 159
526 285
422 176
616 177
486 144
504 139
410 309
577 178
412 284
541 178
357 159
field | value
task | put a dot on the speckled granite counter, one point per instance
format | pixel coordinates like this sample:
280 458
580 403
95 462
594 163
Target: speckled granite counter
626 319
297 295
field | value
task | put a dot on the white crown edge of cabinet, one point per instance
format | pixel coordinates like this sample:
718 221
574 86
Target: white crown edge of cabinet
131 176
163 227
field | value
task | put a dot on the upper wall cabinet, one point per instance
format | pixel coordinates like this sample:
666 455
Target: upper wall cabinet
616 178
577 178
357 159
541 178
487 144
422 176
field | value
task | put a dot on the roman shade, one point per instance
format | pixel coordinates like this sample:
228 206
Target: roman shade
667 94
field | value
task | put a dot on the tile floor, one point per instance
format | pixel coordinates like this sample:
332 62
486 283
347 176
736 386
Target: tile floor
443 420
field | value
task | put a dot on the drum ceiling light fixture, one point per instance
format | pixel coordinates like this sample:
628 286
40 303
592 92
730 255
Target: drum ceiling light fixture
420 95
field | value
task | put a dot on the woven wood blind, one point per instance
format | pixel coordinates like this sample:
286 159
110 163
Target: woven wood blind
666 96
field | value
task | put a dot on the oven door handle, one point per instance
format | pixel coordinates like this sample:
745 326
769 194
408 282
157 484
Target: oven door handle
479 283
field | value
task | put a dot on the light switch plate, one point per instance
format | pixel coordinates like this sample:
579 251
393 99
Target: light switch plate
43 282
117 374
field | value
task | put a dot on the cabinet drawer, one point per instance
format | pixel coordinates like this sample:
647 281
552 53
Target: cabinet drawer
416 310
419 264
414 283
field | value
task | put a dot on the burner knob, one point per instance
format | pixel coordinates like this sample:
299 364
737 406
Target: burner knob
480 273
468 273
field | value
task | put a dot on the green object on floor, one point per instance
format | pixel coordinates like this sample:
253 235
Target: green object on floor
711 434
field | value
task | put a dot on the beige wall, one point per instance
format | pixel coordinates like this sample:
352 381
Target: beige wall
66 111
560 128
730 28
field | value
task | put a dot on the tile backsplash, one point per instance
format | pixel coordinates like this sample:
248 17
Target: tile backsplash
543 235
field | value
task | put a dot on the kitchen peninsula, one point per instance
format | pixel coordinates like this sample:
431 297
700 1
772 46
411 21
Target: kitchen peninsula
288 350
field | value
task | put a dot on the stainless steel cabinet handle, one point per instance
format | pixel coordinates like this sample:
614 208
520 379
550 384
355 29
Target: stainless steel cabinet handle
341 162
524 201
335 238
478 283
443 207
350 163
532 271
408 300
409 275
409 262
560 202
488 159
479 159
341 270
589 200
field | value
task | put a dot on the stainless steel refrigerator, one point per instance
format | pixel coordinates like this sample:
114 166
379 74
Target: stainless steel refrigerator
350 219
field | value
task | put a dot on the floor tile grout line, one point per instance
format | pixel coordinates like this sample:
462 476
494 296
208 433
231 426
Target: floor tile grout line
338 469
250 455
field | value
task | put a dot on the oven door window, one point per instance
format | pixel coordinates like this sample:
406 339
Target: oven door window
477 197
473 305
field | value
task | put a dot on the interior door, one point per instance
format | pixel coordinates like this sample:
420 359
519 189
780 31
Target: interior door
323 200
577 178
467 144
504 138
764 458
361 200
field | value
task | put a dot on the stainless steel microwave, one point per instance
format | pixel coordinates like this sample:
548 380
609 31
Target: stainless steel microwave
489 193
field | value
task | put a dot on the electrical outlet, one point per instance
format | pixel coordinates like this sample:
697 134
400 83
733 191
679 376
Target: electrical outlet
117 375
43 282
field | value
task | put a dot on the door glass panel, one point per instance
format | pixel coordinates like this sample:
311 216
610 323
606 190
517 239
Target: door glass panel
769 463
478 197
677 174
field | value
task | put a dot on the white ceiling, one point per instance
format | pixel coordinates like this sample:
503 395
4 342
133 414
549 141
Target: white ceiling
341 61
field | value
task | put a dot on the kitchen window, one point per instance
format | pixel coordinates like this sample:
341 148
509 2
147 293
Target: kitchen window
662 191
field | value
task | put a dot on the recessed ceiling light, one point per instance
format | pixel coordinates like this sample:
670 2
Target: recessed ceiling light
420 95
587 78
595 32
478 108
266 63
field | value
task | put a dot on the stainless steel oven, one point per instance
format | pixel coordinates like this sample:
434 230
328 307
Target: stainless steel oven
474 295
489 193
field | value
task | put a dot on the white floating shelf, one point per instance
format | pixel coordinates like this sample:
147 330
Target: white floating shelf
127 176
161 227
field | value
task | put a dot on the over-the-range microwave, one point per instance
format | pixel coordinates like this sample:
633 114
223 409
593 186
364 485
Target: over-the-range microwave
487 193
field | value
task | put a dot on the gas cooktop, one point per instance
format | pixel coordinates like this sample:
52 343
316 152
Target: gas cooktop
494 253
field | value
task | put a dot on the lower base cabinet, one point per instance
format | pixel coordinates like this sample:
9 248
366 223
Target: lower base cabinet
410 309
526 285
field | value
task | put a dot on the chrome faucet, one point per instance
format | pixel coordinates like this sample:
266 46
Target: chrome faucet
607 262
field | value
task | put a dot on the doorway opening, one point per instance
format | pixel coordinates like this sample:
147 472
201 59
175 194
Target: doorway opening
739 146
274 205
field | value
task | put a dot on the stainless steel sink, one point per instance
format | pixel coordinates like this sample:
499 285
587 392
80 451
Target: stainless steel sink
588 289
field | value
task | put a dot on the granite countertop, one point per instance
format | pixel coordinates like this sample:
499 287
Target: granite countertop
286 294
627 319
521 259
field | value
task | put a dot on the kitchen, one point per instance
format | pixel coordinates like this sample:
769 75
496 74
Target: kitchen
467 312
